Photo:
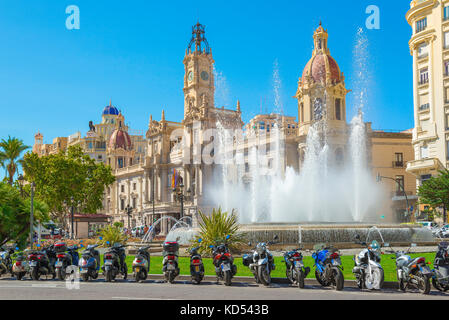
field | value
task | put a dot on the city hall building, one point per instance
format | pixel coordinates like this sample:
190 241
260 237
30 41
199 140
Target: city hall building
158 173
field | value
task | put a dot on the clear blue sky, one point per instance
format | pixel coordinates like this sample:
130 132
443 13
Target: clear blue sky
56 81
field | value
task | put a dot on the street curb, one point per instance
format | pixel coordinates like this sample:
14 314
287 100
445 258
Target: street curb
310 282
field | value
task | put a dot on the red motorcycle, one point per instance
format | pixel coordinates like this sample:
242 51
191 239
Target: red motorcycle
223 262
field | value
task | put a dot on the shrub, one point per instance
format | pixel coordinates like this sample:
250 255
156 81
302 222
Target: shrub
110 235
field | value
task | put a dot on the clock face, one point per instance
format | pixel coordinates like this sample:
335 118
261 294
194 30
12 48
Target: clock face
190 76
318 109
204 76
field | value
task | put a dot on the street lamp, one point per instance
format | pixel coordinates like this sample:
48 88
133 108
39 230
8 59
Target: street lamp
379 179
179 193
33 185
128 211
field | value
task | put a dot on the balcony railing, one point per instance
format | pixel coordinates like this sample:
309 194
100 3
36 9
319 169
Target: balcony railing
398 164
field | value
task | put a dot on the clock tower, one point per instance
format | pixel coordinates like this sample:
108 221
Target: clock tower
199 77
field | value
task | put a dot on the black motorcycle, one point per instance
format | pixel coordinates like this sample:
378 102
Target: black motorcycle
42 262
66 256
6 260
260 262
440 274
114 262
225 268
294 267
196 265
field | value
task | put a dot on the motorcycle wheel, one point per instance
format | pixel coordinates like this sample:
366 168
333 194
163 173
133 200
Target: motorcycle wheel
35 274
171 277
20 275
85 277
423 283
402 285
264 275
197 279
375 281
318 278
60 274
108 276
125 274
227 278
288 274
300 279
338 279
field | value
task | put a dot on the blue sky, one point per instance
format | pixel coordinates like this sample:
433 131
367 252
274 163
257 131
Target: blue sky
56 80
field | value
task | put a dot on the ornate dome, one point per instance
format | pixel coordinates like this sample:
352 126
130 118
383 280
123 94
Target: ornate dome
110 110
120 139
322 67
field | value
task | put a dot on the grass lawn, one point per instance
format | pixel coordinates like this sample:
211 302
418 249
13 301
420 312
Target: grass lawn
387 263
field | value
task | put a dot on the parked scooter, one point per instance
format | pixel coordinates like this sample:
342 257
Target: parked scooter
170 266
89 263
295 270
114 262
196 265
261 262
367 268
440 274
42 262
412 272
65 259
6 260
141 264
20 267
225 268
328 266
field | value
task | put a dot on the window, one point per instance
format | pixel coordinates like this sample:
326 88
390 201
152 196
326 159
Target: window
122 188
446 40
134 186
134 203
424 76
425 177
447 150
122 204
423 50
421 25
302 113
446 13
399 160
446 68
424 152
338 109
399 184
425 106
447 121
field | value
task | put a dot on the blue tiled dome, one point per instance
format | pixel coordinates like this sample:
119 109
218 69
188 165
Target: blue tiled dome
110 110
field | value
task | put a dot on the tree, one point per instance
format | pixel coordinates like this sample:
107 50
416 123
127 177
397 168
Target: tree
15 215
435 192
10 152
215 228
67 179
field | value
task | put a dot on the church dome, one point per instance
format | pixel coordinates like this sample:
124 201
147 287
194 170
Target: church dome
110 110
120 139
321 67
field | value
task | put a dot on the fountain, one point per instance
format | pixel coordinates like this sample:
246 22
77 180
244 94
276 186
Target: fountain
181 231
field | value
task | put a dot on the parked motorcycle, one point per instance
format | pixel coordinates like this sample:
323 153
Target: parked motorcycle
141 264
295 270
89 263
170 266
114 262
412 272
328 266
6 260
65 259
42 262
20 267
261 262
196 265
225 268
367 269
440 274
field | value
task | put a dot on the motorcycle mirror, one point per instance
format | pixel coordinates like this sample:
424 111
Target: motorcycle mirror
101 238
211 246
200 240
227 237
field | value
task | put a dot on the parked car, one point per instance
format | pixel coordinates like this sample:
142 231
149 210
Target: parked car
428 224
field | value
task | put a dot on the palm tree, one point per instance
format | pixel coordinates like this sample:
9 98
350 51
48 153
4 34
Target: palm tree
10 152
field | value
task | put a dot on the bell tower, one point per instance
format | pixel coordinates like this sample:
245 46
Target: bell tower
199 85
